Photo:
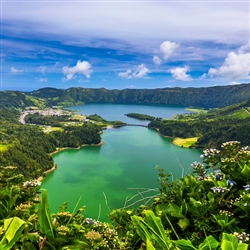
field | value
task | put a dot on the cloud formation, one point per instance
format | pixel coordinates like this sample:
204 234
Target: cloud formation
42 69
41 79
157 60
140 72
83 68
180 73
13 70
167 49
235 67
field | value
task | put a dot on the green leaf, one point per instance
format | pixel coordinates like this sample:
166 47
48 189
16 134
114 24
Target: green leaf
155 224
175 211
242 246
13 228
246 171
149 244
210 196
210 243
185 244
44 217
229 242
184 223
141 229
184 208
151 228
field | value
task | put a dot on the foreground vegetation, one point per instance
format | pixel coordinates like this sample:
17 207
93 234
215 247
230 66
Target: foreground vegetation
208 209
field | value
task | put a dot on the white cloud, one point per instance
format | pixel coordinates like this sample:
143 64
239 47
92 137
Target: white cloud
41 79
179 20
236 66
167 48
157 60
15 71
140 72
126 74
244 49
83 68
42 69
180 73
234 83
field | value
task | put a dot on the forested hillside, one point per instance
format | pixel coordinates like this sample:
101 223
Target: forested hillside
209 97
212 128
28 147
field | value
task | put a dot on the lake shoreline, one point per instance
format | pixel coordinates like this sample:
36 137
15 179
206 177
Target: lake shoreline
40 178
78 148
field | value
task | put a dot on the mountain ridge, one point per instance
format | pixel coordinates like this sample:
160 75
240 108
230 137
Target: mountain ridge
202 97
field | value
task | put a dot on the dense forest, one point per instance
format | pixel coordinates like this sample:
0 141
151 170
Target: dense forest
212 128
29 148
141 116
207 97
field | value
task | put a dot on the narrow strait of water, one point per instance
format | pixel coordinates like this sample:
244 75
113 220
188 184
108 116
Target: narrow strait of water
124 165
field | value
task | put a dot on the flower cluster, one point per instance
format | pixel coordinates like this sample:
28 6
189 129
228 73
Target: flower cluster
93 235
33 183
210 152
245 149
242 237
247 187
219 189
63 230
218 175
231 183
230 143
200 170
227 213
89 221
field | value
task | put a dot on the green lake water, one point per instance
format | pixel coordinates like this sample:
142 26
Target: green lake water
120 168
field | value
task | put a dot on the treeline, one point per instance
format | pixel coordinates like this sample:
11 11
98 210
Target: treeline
141 116
102 122
18 99
209 97
28 147
48 120
211 133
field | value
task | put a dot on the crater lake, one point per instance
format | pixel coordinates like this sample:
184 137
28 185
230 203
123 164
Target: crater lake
122 172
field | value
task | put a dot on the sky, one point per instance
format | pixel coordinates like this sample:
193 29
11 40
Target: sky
124 44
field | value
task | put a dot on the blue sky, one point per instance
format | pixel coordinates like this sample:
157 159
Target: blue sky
123 44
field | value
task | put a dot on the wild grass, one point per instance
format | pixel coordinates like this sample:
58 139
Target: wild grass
186 143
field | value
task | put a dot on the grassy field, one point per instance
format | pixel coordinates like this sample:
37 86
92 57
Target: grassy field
186 143
240 114
193 110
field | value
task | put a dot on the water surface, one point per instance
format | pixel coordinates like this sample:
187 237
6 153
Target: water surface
120 168
112 112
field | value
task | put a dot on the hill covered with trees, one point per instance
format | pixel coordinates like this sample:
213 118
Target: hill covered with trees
212 128
207 97
29 148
